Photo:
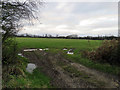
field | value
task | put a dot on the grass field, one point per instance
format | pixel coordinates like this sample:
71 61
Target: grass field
58 43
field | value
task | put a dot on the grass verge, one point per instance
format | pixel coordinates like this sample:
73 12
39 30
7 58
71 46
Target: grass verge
35 80
107 68
76 57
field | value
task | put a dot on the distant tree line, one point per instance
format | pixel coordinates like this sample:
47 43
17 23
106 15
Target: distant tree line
69 37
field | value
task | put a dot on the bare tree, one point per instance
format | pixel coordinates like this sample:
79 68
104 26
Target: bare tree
12 13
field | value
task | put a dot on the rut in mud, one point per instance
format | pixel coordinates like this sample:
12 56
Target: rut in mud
66 74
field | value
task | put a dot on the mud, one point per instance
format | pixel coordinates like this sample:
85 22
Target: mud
67 74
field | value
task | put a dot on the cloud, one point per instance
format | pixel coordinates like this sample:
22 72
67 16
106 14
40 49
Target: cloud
61 27
61 5
102 20
65 18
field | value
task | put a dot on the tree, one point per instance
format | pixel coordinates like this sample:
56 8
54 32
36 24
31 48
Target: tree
12 13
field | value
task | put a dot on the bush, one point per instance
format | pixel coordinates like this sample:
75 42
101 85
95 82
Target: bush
9 52
108 52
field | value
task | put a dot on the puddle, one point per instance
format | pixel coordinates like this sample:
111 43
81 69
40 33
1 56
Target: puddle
30 67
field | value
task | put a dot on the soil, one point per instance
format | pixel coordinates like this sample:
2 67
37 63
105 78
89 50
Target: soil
67 74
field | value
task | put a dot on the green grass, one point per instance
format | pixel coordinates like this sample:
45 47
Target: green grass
58 43
39 80
35 80
78 45
98 66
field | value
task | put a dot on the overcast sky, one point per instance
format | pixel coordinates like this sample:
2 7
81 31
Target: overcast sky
81 18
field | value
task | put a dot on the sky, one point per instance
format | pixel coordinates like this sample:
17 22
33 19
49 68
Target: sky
81 18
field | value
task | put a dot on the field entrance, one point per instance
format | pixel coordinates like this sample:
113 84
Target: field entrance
66 73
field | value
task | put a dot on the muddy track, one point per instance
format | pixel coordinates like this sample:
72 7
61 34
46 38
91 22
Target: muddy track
66 74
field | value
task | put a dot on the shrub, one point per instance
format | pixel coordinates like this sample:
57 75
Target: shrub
9 52
106 53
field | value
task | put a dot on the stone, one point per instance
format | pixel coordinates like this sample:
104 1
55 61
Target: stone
30 67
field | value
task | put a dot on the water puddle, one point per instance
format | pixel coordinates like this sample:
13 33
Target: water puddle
30 67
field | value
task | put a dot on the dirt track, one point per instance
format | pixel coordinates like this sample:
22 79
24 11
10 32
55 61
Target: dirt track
66 74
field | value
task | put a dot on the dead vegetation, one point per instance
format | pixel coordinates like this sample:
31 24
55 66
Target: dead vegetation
106 53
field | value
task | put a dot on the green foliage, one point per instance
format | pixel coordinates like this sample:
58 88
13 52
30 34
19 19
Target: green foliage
35 80
9 51
17 80
39 80
95 65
